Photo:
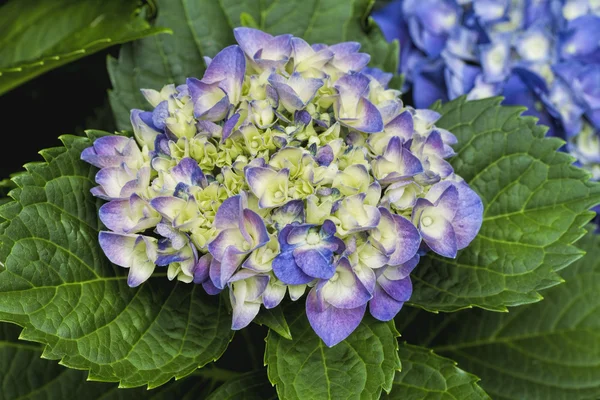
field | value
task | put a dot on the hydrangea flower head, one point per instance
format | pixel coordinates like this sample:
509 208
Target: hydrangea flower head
544 55
286 168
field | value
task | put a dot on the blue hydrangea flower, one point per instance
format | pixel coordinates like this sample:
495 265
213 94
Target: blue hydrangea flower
287 168
544 55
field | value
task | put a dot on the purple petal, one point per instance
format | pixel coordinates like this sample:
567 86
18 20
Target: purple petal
332 324
313 263
168 206
113 180
276 48
469 211
210 101
344 48
116 215
273 295
351 62
117 247
383 78
225 239
144 133
214 273
368 120
230 262
346 291
210 288
403 270
160 114
201 269
324 155
229 125
107 151
288 97
382 306
189 172
255 231
401 126
251 40
408 243
227 69
400 290
287 271
355 85
440 237
243 314
229 213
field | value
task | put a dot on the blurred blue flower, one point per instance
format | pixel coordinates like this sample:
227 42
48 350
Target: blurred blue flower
542 54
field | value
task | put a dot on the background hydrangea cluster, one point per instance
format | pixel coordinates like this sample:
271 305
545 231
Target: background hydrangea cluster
544 55
284 168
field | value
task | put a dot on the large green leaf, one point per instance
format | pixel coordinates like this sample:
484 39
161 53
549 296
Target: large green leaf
37 36
535 204
60 287
27 376
356 368
250 386
427 376
547 350
203 27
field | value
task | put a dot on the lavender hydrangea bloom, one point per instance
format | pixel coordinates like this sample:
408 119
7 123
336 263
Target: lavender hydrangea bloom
287 168
544 55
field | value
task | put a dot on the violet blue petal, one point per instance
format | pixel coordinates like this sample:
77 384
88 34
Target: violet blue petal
229 213
243 314
160 114
254 229
273 295
314 263
382 306
229 125
201 269
210 288
189 172
227 69
251 40
403 270
117 247
400 289
409 241
346 291
332 324
287 271
440 237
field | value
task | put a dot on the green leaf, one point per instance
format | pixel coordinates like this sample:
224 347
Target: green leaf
203 27
27 376
427 376
535 205
274 319
60 287
547 350
37 36
249 386
356 368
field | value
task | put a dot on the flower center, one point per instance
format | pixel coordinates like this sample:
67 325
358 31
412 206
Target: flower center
427 221
278 194
246 246
334 277
313 238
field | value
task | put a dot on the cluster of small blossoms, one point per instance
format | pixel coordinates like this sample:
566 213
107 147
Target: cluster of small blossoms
542 54
286 168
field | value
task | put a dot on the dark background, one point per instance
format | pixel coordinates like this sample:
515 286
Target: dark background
66 100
